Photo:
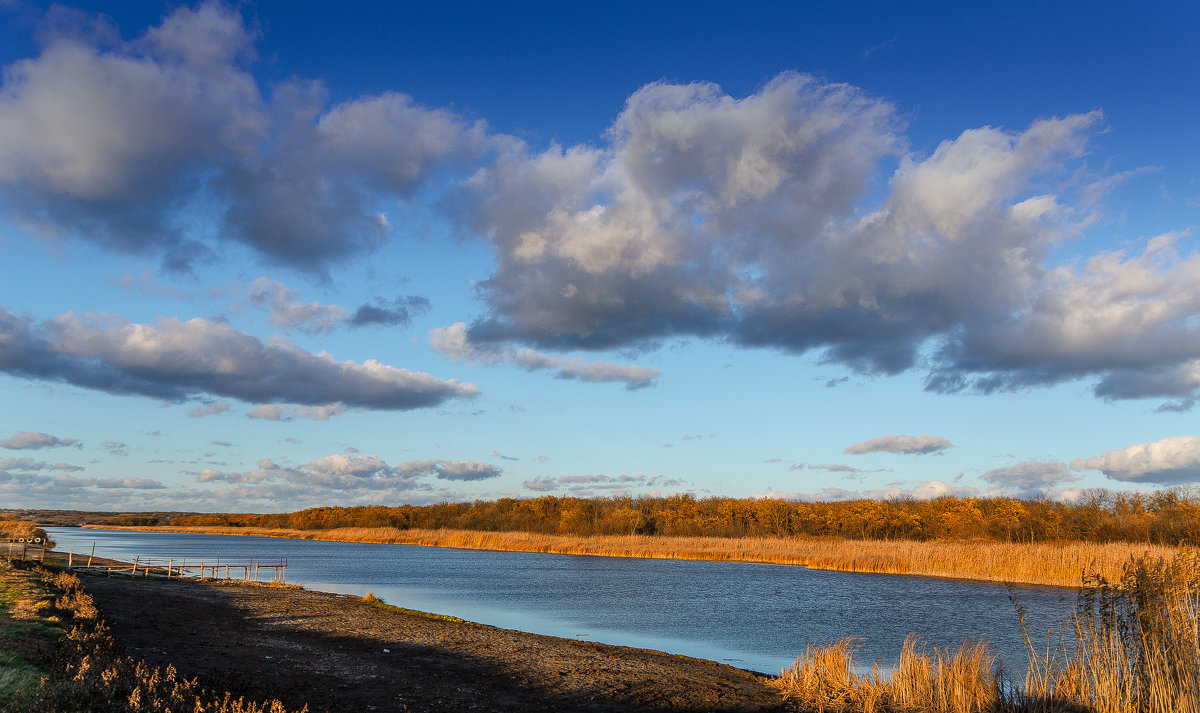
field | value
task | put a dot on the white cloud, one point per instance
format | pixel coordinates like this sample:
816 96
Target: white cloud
452 342
289 412
32 440
287 312
9 465
108 140
217 407
1175 459
1031 477
353 472
705 215
176 360
585 485
927 490
893 443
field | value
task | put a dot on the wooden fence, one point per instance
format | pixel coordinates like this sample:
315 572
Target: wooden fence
247 569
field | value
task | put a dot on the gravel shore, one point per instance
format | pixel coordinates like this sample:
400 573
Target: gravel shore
340 654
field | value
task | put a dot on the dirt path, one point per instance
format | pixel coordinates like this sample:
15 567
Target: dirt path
338 653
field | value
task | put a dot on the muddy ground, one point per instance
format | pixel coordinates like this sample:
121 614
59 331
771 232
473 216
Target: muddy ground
339 654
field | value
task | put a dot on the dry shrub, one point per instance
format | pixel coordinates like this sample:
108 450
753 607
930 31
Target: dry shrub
92 673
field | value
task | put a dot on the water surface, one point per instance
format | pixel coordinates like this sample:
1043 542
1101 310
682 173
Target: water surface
754 616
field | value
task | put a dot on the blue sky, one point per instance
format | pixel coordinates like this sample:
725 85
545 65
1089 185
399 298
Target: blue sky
263 257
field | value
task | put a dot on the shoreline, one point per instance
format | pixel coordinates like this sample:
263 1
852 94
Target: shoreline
1039 564
345 653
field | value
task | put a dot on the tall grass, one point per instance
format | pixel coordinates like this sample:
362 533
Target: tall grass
1131 647
1019 563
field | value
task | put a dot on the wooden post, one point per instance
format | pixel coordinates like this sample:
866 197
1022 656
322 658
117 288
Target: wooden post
133 572
93 552
170 561
70 557
43 557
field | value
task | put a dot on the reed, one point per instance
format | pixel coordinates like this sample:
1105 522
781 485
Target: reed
1131 647
947 681
1020 563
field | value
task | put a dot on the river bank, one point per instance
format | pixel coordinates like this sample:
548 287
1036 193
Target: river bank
1048 564
338 653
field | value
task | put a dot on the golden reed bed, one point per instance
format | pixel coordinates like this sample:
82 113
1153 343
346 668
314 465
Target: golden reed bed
1046 564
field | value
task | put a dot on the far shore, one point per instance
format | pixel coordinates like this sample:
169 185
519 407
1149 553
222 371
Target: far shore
1048 564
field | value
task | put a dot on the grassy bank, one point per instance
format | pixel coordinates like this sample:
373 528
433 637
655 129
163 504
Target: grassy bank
1019 563
56 654
29 628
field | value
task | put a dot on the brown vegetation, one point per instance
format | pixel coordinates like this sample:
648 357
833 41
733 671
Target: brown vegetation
91 673
1168 517
1131 647
1020 563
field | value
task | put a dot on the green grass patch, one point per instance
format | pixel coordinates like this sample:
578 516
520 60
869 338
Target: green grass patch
378 603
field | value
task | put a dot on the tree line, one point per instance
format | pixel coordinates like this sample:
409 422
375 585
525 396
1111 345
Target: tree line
1166 517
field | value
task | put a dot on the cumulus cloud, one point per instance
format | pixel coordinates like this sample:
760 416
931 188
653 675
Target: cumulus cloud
453 342
112 141
1031 477
1171 460
746 219
893 443
352 472
176 360
32 440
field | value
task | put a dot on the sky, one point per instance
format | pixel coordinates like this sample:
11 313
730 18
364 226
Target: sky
274 255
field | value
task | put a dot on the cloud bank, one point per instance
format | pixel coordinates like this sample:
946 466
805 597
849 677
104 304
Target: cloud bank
176 360
756 220
746 219
345 472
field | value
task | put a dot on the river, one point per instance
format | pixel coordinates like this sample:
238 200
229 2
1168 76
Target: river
753 616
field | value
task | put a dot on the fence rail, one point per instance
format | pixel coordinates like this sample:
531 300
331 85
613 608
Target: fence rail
247 569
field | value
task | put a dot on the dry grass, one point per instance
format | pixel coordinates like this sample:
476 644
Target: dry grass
93 675
1132 647
1019 563
946 681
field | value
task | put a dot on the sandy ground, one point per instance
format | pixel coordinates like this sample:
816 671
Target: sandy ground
337 653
